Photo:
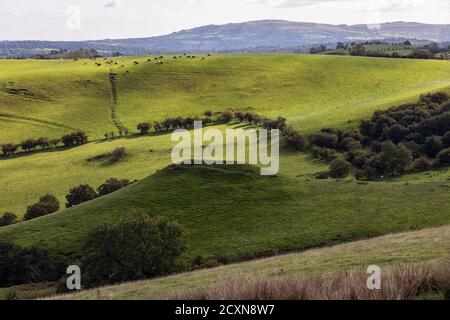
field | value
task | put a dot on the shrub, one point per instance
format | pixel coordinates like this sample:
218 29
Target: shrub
28 145
444 157
136 248
228 115
7 219
144 127
432 146
340 168
74 138
47 204
208 113
119 153
420 164
446 140
9 148
350 144
79 195
20 266
43 142
112 185
295 140
325 154
324 140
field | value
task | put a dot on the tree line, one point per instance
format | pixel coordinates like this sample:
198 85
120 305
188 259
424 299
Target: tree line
44 143
412 137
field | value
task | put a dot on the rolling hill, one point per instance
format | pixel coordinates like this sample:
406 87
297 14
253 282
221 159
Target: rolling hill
54 97
254 214
234 36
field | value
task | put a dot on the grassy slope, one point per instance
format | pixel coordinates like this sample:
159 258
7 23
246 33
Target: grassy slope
57 171
232 212
401 248
311 91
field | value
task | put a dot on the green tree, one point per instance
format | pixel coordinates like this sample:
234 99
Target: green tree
7 219
340 168
112 185
80 194
394 158
136 248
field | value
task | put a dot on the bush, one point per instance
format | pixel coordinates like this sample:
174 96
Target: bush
419 165
112 185
432 146
144 127
47 204
20 266
79 195
136 248
340 168
295 140
119 153
9 148
444 157
324 140
325 154
7 219
74 138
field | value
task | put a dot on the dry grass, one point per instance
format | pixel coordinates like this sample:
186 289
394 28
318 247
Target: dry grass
405 282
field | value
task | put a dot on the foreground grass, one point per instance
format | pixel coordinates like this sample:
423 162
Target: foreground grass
49 98
410 247
236 213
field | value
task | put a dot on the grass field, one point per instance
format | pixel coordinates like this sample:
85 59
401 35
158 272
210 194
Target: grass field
235 212
52 97
26 178
410 247
228 211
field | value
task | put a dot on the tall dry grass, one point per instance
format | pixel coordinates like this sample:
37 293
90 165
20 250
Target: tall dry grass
404 282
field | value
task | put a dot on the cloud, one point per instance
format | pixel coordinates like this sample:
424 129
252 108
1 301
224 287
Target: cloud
113 4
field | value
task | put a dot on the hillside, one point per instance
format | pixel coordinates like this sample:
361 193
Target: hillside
409 247
234 36
236 204
49 98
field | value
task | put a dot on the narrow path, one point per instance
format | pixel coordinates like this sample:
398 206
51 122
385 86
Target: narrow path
115 119
36 121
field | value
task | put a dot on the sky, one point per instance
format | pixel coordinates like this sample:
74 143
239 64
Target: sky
101 19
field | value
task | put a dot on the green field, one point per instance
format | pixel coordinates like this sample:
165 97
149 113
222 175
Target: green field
229 211
53 97
235 212
410 247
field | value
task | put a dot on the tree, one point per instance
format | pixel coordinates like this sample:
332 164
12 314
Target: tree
23 265
7 219
444 157
9 148
324 140
136 248
432 146
79 195
393 158
144 127
358 50
112 185
43 142
29 144
46 205
340 168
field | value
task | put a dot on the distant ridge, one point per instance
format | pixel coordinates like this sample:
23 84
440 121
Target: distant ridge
253 34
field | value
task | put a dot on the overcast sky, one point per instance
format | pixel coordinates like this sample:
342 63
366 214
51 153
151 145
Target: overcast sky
99 19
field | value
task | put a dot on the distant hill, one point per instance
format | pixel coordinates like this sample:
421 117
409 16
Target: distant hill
239 36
